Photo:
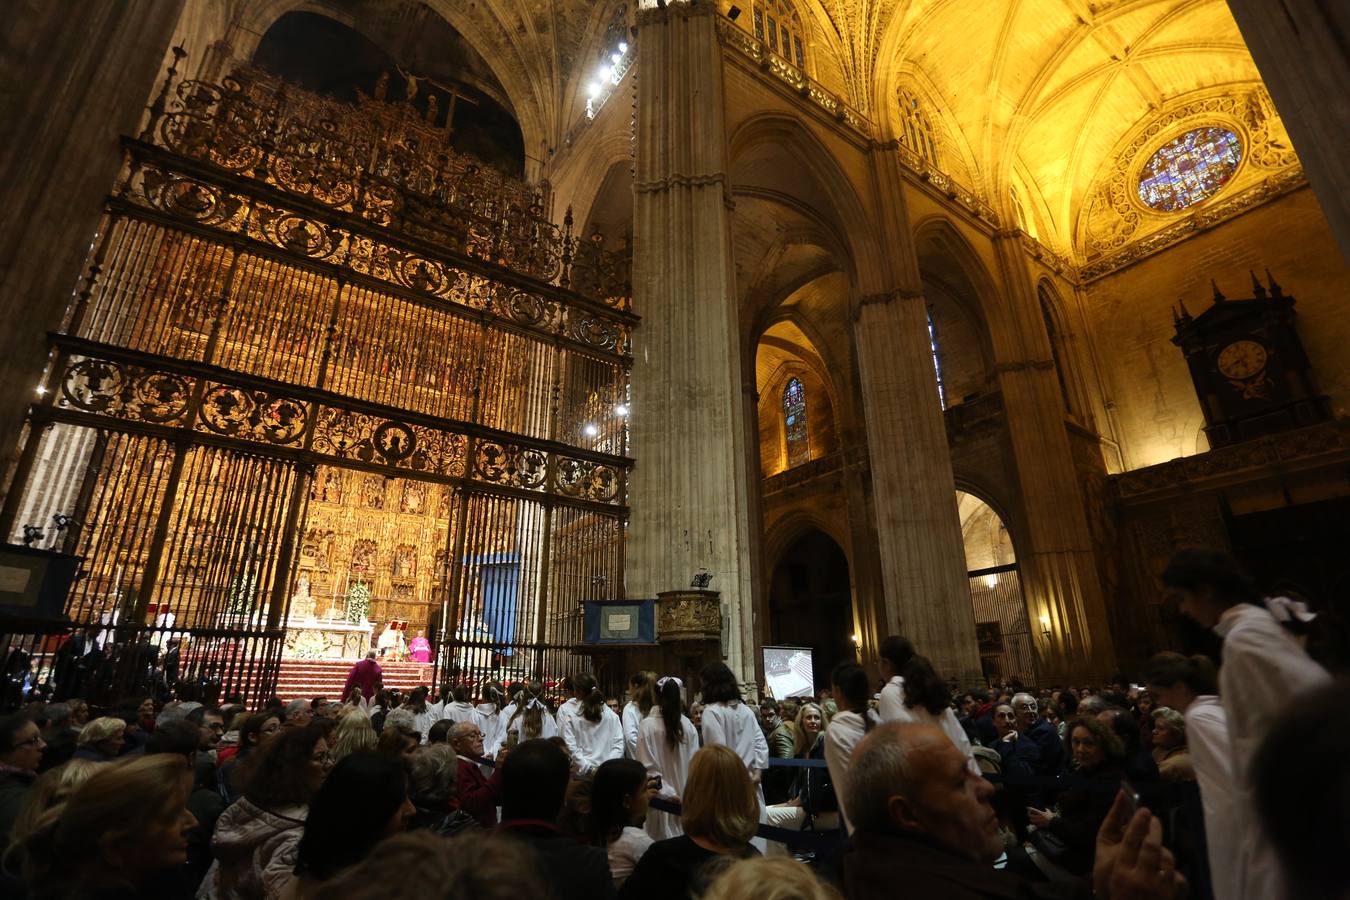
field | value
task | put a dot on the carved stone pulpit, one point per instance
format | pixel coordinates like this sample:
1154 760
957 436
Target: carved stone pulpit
689 625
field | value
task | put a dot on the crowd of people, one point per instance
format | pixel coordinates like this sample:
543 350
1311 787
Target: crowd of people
1224 781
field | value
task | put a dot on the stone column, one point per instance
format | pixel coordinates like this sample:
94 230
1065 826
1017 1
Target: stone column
86 74
689 491
1059 575
1302 48
923 565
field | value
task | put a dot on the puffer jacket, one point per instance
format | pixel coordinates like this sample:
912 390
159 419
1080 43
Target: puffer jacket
255 852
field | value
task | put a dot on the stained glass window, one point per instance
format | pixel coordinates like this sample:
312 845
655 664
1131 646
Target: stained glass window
937 364
916 131
1189 168
794 423
1052 332
784 27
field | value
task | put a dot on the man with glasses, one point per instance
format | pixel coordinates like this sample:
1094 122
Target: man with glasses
478 795
212 724
21 747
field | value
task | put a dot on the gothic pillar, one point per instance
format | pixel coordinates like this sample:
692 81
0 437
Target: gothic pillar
690 490
923 566
1060 581
85 81
1302 48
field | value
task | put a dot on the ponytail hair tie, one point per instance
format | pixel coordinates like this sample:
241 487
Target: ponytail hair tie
661 682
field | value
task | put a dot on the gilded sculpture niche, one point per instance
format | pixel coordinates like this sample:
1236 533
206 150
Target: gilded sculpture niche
327 372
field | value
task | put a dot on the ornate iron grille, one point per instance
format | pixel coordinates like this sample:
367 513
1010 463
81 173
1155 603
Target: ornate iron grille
324 367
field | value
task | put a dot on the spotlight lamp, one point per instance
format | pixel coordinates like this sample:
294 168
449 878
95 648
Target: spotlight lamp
623 46
621 410
590 430
1045 626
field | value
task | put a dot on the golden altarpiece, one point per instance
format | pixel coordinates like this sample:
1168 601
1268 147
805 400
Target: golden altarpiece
325 370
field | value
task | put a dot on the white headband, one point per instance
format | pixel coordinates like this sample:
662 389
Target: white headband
661 682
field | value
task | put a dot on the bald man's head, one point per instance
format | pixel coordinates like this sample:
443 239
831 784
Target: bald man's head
911 779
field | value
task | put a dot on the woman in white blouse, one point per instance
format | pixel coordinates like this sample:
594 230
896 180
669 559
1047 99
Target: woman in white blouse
527 718
594 735
620 793
728 721
641 699
852 689
488 716
914 694
666 744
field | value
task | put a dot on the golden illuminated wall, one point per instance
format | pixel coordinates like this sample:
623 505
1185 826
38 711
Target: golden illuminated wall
1145 376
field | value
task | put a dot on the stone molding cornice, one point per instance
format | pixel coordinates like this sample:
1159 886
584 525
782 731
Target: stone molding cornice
660 15
678 180
885 297
1023 365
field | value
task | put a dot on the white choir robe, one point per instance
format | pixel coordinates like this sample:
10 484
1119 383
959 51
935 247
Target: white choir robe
1264 667
655 752
844 732
593 743
1209 744
737 726
891 708
425 719
460 711
490 722
632 720
566 711
548 726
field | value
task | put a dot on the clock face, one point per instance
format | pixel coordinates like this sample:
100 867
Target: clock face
1241 359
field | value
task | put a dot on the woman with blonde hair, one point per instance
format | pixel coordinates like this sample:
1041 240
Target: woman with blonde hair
720 815
118 835
101 740
353 734
769 879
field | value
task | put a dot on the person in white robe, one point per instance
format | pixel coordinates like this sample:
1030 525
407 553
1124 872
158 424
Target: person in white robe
568 708
595 734
728 721
1188 684
460 709
852 689
664 759
488 715
424 713
896 654
1264 667
641 698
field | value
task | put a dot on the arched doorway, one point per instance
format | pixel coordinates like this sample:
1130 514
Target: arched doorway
1007 652
811 602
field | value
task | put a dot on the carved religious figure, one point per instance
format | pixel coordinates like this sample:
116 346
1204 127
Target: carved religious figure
414 498
405 561
372 492
364 552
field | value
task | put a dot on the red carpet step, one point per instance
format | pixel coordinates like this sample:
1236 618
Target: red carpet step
309 678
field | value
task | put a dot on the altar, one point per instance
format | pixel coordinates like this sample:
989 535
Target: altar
312 638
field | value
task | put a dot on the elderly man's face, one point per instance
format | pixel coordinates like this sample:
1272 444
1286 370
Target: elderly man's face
470 743
951 804
1026 710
